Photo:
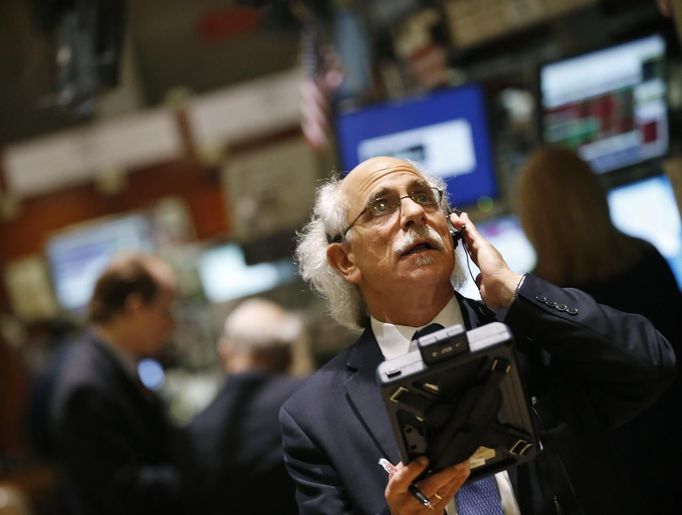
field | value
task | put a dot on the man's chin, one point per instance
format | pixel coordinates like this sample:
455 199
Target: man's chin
423 259
419 258
424 265
418 270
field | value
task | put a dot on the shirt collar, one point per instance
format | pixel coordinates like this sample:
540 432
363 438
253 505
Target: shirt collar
394 340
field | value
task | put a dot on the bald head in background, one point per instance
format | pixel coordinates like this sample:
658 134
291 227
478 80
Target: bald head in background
259 335
238 430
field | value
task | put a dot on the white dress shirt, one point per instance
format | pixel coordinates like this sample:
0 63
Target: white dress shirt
394 340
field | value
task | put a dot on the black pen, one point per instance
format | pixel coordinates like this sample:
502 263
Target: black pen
416 493
419 496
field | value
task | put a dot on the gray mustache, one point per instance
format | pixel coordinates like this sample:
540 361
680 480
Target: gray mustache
424 233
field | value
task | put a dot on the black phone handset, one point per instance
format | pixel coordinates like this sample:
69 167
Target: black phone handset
455 233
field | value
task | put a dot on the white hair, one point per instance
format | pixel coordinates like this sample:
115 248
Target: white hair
328 222
345 303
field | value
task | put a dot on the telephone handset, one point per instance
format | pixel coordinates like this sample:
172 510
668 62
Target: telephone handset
455 233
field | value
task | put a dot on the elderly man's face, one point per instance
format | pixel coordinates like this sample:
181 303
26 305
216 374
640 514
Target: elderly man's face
410 244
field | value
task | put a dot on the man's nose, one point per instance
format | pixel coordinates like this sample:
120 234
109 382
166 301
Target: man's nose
411 212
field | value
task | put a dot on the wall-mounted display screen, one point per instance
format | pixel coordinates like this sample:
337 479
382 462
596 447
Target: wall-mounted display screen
647 209
77 256
444 131
225 276
609 104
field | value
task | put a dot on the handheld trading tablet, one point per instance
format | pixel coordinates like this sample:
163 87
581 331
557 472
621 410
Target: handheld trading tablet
457 394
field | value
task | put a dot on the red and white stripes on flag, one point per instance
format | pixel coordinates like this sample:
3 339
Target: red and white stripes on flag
322 76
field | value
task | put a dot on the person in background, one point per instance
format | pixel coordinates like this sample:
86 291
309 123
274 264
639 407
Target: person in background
56 337
235 441
14 385
112 438
564 212
379 249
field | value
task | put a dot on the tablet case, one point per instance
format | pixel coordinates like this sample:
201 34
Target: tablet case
457 394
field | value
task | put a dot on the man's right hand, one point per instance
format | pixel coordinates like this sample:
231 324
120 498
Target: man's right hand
496 282
439 488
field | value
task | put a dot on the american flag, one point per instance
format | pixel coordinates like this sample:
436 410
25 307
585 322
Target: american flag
322 76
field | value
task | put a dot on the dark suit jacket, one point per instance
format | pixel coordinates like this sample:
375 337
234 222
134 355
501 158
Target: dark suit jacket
649 288
237 448
649 447
585 364
112 438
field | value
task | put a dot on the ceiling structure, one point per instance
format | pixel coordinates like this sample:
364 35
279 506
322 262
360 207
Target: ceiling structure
198 46
170 45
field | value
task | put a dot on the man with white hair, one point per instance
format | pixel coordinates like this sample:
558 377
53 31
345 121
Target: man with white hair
379 249
235 442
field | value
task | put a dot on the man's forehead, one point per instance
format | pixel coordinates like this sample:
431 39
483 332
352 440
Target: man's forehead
368 175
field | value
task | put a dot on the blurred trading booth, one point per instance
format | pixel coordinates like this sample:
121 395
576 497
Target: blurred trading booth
198 131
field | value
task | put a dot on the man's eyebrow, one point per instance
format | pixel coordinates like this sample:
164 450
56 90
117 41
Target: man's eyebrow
381 192
415 183
419 183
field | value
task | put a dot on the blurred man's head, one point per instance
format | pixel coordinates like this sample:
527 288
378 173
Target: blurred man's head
132 303
259 335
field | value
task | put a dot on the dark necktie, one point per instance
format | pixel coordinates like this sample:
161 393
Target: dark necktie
481 497
431 328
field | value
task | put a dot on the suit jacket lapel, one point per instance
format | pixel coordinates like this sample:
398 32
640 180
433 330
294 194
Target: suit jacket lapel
474 313
365 397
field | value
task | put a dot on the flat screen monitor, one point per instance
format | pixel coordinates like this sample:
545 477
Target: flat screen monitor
226 276
505 233
445 132
609 104
647 209
77 256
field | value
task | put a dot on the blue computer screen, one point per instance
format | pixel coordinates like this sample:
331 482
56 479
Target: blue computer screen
647 209
445 132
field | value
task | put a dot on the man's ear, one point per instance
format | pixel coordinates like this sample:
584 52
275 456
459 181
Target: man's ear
340 257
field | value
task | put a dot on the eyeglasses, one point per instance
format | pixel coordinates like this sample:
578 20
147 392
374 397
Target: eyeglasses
427 197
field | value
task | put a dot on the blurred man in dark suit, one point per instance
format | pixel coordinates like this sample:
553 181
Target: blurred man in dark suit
236 440
112 437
